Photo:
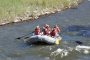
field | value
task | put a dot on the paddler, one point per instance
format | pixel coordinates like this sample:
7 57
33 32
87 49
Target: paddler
57 28
37 30
55 31
46 29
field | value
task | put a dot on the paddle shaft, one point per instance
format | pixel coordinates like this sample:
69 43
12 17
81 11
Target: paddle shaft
24 36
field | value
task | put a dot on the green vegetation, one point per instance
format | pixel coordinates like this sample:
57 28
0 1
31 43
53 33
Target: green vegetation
12 8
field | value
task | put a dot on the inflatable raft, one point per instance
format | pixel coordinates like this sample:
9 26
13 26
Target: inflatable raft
43 39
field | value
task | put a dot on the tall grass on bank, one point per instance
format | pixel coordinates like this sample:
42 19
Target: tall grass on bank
12 8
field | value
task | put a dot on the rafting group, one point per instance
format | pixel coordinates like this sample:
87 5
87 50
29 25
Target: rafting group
53 32
47 35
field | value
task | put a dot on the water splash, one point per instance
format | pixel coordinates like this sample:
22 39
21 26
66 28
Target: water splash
61 52
83 49
65 52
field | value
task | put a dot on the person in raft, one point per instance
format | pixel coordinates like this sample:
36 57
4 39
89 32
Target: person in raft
37 30
55 31
46 29
57 28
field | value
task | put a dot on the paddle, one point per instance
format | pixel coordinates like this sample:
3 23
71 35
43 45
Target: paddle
79 42
24 36
57 41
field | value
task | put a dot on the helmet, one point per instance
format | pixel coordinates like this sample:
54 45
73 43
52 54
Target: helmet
37 26
56 25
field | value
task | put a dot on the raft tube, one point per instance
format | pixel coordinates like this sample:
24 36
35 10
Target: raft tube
40 39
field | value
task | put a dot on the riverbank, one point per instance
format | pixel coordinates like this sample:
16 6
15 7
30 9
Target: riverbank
21 10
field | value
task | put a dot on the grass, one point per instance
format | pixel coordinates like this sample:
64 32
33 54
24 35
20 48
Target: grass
11 8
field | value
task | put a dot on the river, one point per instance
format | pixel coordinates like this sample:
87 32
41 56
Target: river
74 25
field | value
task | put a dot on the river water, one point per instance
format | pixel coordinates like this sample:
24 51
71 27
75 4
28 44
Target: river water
74 25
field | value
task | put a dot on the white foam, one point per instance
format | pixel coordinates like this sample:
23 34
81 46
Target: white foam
50 48
61 52
66 52
84 49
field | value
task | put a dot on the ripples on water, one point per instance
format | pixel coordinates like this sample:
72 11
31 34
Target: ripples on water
79 30
61 52
66 52
68 49
12 49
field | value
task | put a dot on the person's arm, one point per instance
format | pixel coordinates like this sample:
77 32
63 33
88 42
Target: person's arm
58 29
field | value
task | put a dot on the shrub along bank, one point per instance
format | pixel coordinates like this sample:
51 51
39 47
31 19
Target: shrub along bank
20 10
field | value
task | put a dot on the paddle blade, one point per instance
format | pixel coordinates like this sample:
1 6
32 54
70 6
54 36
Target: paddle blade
18 38
79 42
57 41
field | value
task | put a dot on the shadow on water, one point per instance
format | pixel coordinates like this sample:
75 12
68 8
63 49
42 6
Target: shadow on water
38 43
79 30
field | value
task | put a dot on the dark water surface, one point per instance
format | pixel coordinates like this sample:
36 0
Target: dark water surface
74 24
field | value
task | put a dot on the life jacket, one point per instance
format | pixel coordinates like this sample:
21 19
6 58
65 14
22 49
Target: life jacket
47 26
45 31
57 29
37 31
53 32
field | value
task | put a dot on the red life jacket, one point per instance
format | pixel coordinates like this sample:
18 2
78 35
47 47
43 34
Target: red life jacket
37 31
57 29
53 32
46 27
45 31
